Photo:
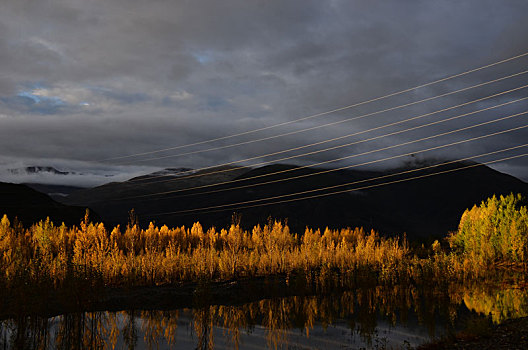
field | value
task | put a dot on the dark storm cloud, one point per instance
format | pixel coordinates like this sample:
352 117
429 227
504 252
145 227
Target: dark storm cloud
85 80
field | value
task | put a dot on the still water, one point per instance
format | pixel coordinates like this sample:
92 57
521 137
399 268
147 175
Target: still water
374 318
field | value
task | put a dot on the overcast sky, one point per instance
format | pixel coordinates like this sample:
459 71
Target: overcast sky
82 81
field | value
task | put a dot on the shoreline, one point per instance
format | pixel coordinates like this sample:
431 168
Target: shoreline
510 335
163 297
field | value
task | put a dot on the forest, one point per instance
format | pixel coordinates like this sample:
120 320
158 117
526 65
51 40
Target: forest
491 235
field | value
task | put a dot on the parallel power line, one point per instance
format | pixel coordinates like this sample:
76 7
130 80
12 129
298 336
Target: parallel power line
240 205
326 171
367 163
200 172
322 113
290 133
344 157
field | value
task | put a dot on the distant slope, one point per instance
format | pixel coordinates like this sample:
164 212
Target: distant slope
30 206
424 207
54 191
113 200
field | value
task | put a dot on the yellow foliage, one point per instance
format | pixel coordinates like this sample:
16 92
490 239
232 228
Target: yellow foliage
45 253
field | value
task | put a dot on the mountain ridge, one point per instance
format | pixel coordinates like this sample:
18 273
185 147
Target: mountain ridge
422 207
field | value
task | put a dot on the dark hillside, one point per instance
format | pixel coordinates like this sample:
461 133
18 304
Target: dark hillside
30 206
116 199
433 205
54 191
423 207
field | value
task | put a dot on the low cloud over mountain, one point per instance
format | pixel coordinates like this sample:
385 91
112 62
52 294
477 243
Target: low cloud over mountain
67 173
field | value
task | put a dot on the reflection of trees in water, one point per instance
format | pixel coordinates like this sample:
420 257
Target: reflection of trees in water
500 305
158 325
83 330
25 333
235 319
129 332
203 326
361 309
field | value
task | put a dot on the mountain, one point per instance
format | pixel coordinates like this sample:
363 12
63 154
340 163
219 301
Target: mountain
431 205
54 191
113 200
38 170
30 206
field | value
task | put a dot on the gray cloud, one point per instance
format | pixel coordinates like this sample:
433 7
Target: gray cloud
88 80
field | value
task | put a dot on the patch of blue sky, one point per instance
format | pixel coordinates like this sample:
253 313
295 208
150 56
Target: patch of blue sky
40 98
28 101
203 57
27 94
32 104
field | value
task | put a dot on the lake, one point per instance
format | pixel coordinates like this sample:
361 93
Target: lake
372 318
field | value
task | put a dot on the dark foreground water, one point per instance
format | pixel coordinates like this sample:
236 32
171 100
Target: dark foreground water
378 318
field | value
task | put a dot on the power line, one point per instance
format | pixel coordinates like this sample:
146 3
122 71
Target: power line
297 193
335 122
371 162
184 212
315 174
326 112
345 157
330 140
382 184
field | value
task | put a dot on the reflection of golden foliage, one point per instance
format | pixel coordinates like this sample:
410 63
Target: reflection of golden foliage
203 322
500 304
362 308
